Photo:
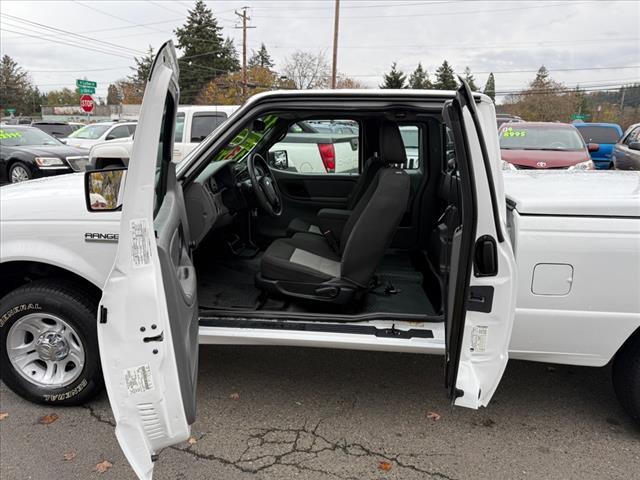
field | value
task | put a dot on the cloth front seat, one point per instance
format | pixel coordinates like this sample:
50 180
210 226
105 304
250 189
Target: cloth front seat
308 266
392 153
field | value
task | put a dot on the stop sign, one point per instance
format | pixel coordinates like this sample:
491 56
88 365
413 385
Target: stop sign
86 103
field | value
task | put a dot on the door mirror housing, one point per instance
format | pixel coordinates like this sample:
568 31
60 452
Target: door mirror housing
634 145
103 189
278 159
593 147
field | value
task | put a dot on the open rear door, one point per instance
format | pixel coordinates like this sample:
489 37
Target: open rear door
481 287
148 316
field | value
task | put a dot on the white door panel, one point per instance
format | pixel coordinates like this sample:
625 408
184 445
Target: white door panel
147 329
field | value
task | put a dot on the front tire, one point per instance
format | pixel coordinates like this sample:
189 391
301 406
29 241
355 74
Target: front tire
626 376
19 172
49 344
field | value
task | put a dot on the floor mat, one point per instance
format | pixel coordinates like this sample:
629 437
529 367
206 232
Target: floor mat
409 298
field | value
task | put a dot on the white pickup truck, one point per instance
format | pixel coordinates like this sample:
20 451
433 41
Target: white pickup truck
118 275
193 124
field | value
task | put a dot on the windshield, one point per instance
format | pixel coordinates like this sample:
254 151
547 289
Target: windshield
593 134
245 141
525 137
91 132
19 137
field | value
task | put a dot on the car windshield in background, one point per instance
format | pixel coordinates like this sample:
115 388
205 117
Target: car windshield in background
203 124
22 137
597 134
55 129
522 137
90 132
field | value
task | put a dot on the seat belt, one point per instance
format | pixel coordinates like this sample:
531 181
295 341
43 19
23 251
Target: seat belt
332 241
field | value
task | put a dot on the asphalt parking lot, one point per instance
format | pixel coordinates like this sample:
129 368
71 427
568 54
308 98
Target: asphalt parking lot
271 413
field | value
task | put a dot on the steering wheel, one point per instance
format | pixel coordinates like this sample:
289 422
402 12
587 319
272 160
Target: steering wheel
264 185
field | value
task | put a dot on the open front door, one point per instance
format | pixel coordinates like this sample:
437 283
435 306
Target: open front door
481 287
148 318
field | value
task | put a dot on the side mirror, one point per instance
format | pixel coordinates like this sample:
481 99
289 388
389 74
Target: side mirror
103 189
634 145
278 159
593 147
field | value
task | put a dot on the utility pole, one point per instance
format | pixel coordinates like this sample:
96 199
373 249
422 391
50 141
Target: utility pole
336 23
244 27
624 91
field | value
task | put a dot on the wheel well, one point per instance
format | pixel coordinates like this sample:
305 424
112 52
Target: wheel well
16 274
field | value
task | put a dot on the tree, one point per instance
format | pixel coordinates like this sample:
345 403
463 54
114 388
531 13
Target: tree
16 89
471 81
64 96
205 54
307 70
113 95
230 52
490 87
227 89
261 58
344 82
394 79
445 77
419 79
544 100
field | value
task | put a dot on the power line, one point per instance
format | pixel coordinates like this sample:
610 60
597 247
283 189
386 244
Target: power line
433 14
77 35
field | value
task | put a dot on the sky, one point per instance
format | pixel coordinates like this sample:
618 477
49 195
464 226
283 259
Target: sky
595 44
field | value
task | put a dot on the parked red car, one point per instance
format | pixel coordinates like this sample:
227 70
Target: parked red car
544 145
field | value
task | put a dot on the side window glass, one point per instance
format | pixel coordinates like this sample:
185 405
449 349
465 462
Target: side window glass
163 155
412 139
132 129
633 136
318 147
118 132
179 127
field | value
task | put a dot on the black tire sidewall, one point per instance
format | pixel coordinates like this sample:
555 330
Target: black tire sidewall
74 307
21 164
626 376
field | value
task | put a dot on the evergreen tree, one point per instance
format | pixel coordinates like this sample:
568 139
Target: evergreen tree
395 78
113 95
445 77
490 87
205 54
471 81
419 79
230 52
542 79
261 58
16 89
143 68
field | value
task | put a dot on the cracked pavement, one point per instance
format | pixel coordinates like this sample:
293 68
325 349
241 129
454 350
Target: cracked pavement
279 413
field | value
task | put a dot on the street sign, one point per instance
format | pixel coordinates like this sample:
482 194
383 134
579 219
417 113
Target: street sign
87 90
86 83
86 103
10 111
579 116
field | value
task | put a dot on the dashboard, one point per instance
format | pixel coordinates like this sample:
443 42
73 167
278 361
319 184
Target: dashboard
213 199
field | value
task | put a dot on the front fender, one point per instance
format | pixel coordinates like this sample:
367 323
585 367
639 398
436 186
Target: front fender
86 249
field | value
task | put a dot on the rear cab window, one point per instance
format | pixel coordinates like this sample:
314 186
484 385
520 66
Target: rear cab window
599 134
202 124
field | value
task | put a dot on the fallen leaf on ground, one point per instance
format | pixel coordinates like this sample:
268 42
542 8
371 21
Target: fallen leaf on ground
103 466
3 415
384 465
192 441
235 396
433 416
69 456
48 419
